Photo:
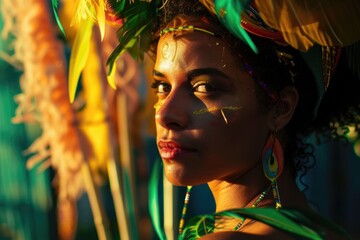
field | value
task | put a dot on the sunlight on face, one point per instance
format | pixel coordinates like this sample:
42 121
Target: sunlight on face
207 120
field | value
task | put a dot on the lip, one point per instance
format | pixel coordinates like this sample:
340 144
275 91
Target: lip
172 150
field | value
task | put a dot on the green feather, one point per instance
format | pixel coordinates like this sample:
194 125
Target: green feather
55 4
229 13
117 6
154 209
299 224
134 35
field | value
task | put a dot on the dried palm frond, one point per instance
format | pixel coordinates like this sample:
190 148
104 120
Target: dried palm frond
44 97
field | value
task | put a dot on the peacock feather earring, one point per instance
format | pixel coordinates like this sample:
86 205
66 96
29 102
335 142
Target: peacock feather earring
273 164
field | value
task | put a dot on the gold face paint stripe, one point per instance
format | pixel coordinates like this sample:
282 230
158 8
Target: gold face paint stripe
206 110
223 114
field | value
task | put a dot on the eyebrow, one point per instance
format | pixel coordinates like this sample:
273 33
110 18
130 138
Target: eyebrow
198 72
157 73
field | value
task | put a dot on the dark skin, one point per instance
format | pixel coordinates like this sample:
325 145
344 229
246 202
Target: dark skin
210 128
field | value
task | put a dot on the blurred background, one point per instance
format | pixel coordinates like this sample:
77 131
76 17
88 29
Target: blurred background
94 176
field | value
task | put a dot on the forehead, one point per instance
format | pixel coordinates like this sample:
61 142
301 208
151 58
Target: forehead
195 49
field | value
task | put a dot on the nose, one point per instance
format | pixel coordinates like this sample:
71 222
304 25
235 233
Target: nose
173 112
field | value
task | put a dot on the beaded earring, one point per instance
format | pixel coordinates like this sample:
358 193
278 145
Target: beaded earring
273 164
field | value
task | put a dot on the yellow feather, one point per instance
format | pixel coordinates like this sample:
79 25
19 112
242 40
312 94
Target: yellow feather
84 10
93 118
111 77
79 55
100 12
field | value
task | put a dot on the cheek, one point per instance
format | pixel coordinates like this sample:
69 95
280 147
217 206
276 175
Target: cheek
251 129
242 135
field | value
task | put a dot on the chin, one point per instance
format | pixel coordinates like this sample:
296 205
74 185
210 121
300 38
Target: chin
183 180
180 174
176 180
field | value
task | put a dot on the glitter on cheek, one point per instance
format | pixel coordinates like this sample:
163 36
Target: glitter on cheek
212 109
158 105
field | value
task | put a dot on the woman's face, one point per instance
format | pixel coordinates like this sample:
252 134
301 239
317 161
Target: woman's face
208 123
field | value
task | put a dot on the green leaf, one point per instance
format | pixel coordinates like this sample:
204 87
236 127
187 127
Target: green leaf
137 17
198 226
154 209
117 5
275 218
299 224
112 64
128 41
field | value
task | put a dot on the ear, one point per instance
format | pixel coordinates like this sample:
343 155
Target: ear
284 109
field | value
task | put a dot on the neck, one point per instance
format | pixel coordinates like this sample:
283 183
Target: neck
239 192
243 191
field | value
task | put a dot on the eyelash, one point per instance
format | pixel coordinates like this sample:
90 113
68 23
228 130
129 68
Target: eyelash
210 87
166 88
156 84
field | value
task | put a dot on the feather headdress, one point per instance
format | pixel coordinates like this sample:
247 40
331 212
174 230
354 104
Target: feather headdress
299 23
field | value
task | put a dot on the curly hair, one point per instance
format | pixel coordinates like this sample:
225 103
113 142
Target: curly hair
340 105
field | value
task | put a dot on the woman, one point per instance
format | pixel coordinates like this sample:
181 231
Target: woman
212 127
233 118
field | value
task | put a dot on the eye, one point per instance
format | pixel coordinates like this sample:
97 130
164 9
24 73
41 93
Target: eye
204 87
161 87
